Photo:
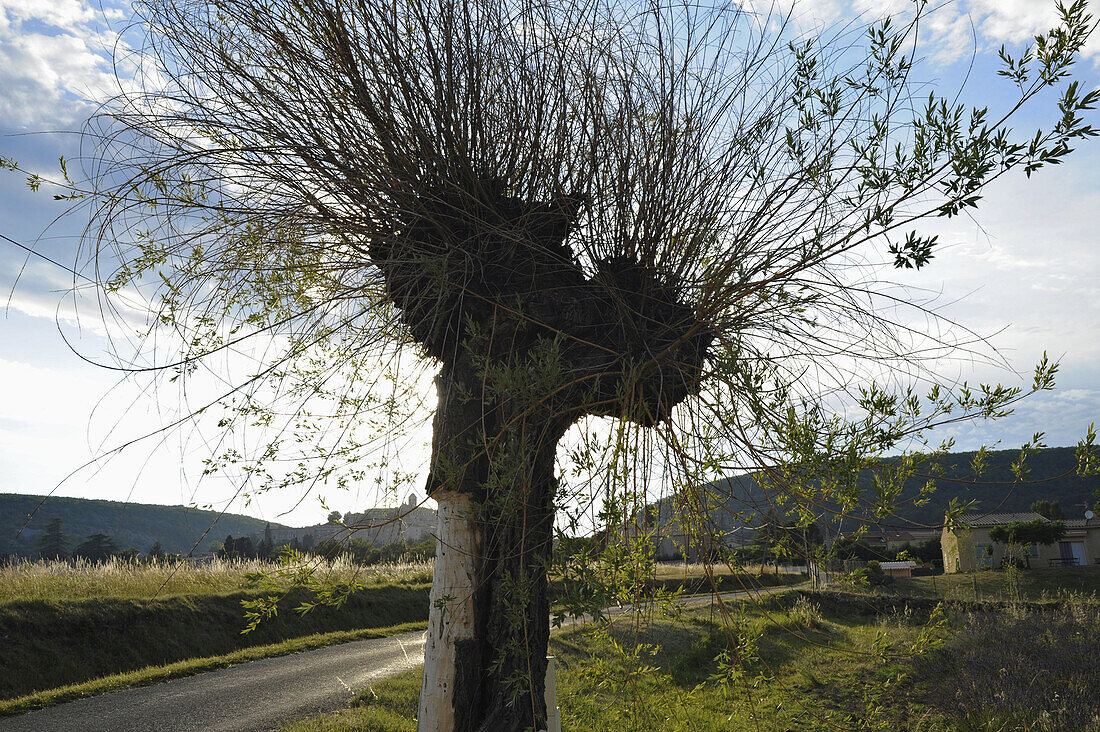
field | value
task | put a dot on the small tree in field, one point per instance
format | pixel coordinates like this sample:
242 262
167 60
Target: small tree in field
660 219
96 548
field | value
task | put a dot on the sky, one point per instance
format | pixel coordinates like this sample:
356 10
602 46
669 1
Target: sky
1025 272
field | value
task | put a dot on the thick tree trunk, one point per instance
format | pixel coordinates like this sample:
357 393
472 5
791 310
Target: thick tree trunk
529 340
493 478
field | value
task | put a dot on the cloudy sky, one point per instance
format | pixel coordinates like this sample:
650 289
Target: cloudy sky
1026 272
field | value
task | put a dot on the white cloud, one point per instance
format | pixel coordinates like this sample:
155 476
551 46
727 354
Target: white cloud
64 14
1014 20
55 61
949 30
805 15
49 79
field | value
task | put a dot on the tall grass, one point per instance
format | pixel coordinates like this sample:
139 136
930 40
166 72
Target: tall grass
1017 671
127 579
1071 584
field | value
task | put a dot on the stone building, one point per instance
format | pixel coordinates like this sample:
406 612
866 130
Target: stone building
408 523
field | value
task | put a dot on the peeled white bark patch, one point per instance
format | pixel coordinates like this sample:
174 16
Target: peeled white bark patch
451 617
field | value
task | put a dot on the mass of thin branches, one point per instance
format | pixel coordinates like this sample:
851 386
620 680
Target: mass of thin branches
699 187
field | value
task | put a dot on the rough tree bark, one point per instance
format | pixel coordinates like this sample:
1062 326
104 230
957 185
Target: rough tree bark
489 623
529 344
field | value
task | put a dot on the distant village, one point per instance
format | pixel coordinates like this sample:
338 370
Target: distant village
409 523
1037 539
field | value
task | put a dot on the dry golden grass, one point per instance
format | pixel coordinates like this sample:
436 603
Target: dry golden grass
125 579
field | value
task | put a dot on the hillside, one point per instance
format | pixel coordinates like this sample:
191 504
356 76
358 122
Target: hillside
1052 478
132 525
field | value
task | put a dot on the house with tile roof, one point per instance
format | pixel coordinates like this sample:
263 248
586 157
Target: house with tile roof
967 545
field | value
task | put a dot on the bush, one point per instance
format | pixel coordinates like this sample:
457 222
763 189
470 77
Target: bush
875 575
805 615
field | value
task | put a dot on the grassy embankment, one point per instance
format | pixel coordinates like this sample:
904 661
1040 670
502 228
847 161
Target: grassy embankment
807 663
75 630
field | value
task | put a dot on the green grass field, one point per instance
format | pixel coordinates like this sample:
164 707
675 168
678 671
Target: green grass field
663 675
792 666
789 664
1081 584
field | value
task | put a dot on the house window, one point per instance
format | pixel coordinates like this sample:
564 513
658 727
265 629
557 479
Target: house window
1033 551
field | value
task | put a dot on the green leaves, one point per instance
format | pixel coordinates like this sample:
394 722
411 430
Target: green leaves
295 570
1023 533
915 252
1088 456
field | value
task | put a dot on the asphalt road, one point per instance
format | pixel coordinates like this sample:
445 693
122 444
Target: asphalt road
251 697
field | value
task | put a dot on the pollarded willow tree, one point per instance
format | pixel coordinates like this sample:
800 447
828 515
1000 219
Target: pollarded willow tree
659 214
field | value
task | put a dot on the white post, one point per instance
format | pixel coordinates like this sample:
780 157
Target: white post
553 716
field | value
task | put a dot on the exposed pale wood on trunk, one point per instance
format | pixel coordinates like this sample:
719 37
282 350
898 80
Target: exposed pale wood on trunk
452 617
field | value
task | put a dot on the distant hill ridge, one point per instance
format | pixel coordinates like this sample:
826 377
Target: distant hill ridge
1052 478
179 529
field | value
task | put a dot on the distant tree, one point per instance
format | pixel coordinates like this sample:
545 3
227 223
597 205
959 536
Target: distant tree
157 551
266 547
367 552
239 548
1048 509
1021 534
334 517
97 548
848 547
787 536
875 575
53 544
246 548
925 551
